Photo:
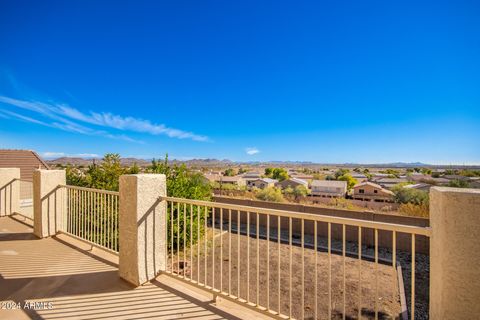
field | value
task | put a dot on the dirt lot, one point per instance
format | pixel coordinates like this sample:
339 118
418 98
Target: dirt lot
219 266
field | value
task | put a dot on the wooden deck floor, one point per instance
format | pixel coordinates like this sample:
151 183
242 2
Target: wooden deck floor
77 284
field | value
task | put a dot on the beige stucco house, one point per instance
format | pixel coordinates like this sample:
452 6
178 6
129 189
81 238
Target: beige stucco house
329 188
369 191
223 180
292 183
262 183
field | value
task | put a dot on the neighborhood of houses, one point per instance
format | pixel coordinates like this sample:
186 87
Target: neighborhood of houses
376 187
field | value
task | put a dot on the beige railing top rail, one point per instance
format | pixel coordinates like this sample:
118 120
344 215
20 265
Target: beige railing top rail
23 180
116 193
425 231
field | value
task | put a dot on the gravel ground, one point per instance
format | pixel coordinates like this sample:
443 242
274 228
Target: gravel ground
388 300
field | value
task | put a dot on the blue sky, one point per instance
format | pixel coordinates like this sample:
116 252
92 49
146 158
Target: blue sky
336 81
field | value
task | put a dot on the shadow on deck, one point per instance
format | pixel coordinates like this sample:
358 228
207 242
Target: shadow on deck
82 285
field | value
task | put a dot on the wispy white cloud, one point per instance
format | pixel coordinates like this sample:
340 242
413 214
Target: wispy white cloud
67 118
65 125
8 113
252 151
53 155
129 124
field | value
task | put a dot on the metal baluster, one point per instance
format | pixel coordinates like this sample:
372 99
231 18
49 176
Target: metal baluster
268 262
206 248
359 272
184 240
248 256
329 271
178 238
229 252
238 254
315 240
344 284
198 244
258 259
303 269
221 249
394 264
290 265
279 236
412 315
376 274
191 242
213 248
171 235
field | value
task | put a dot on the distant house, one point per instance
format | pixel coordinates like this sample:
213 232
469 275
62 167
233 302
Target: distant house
456 177
378 175
369 191
212 177
423 178
236 180
420 177
301 176
438 181
419 186
27 160
390 182
262 183
329 188
475 183
251 176
292 183
222 180
360 177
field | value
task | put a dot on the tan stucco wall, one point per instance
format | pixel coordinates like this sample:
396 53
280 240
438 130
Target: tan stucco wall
48 202
454 253
369 191
142 227
9 191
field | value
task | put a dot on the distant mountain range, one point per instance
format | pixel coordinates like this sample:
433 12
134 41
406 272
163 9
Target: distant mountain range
226 162
86 162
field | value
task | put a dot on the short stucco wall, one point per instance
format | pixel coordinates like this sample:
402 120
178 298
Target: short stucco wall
384 237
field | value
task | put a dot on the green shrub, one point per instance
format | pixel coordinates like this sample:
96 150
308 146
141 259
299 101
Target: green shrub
270 194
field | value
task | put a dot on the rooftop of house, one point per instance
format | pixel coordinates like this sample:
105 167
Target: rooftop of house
391 180
368 183
26 160
268 180
358 175
417 186
329 183
302 176
252 174
230 179
298 180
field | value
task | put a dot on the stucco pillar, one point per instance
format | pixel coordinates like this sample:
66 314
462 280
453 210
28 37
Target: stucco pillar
142 227
9 191
454 253
48 202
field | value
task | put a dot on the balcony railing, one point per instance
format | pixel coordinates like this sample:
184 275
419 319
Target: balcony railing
26 190
223 248
283 263
26 198
91 215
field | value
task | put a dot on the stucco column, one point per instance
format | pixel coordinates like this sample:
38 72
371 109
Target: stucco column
49 202
9 191
454 253
142 227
